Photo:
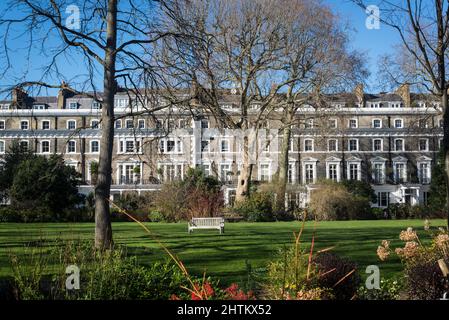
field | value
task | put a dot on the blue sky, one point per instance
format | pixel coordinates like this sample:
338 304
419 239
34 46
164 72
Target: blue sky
373 42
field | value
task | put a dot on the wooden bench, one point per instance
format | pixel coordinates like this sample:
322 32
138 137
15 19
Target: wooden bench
206 223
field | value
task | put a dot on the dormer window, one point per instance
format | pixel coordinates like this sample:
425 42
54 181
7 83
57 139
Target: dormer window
73 105
96 105
422 104
39 107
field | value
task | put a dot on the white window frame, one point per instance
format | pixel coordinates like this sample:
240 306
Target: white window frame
259 171
139 121
377 119
91 123
429 171
206 168
427 145
27 143
336 145
373 176
403 144
227 176
71 104
348 169
178 149
41 146
395 173
291 170
228 144
42 124
381 145
349 144
313 145
118 124
90 146
402 123
95 105
328 164
28 125
308 123
129 121
71 120
184 123
122 146
68 145
356 123
304 164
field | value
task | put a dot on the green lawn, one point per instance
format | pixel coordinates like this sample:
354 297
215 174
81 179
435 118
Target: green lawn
224 255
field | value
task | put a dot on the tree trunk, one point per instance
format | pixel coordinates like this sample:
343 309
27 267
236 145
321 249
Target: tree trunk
103 229
283 166
444 105
244 178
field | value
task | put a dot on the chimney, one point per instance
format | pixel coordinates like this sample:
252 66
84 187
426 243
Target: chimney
63 94
358 91
19 97
404 92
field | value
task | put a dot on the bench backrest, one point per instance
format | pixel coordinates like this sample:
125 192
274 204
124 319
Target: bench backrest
207 221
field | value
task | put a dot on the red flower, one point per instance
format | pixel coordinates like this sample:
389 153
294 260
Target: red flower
234 293
207 288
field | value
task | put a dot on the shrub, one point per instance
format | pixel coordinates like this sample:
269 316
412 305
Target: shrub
155 216
170 202
139 206
257 208
333 201
45 182
377 213
390 289
344 279
423 276
195 196
301 274
107 275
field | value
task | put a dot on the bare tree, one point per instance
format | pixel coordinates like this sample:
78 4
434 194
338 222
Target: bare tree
423 27
113 39
241 47
316 61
